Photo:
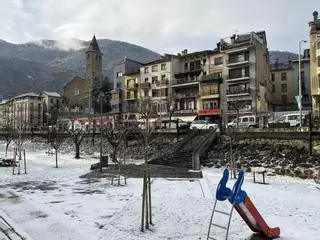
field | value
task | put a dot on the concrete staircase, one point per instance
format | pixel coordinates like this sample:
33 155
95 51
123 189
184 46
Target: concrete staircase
182 156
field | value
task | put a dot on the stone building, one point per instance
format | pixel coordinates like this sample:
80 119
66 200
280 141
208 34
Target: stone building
52 103
315 63
78 92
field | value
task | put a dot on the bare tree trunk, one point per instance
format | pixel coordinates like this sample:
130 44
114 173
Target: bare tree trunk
149 189
7 147
143 202
56 158
77 150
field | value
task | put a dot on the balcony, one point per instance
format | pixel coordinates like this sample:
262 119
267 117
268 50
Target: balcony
186 95
214 93
162 83
131 96
132 85
185 82
238 92
145 85
237 62
235 78
182 112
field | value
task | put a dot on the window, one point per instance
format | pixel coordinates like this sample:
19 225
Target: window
283 87
302 65
76 91
246 71
218 61
272 77
283 76
284 98
273 88
51 100
163 66
154 68
245 119
319 61
146 80
119 74
163 77
318 45
154 80
146 69
146 93
204 62
96 57
292 117
302 75
185 66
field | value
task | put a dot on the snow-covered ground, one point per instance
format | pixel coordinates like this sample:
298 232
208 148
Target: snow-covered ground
53 204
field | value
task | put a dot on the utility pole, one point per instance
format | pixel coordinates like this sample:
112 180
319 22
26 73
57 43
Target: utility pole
299 80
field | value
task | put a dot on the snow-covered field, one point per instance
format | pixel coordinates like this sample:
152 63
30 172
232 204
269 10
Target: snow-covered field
53 204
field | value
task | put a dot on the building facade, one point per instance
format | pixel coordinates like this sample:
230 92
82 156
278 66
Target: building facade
26 111
126 66
282 79
132 93
248 81
315 63
75 93
305 80
52 102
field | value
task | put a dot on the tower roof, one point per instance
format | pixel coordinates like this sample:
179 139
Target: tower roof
94 45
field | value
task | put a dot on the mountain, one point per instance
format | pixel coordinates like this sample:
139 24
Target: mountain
282 56
49 65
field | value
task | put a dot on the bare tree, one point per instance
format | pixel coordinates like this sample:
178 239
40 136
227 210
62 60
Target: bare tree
147 112
77 135
8 135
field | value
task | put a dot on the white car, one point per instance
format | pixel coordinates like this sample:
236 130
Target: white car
203 124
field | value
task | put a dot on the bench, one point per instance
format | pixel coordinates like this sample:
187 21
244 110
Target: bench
259 170
7 162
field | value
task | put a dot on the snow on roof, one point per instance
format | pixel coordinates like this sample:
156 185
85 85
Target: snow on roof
30 94
51 94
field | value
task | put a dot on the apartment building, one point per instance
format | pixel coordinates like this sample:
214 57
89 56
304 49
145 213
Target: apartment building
305 80
282 79
132 86
315 63
125 66
248 81
157 80
4 113
26 111
51 102
212 88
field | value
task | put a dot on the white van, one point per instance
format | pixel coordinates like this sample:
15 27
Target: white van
244 122
293 119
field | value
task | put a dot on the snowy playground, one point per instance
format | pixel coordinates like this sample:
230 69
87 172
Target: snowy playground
55 204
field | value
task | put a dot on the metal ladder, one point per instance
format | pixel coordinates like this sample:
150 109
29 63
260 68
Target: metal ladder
226 228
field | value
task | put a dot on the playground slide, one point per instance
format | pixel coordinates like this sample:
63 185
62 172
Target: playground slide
244 206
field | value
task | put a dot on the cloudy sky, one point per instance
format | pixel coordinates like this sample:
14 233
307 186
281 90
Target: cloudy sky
165 26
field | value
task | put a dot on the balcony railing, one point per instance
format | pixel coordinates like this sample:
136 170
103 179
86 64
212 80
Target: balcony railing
186 95
146 85
185 81
210 92
162 82
237 77
132 85
132 96
238 91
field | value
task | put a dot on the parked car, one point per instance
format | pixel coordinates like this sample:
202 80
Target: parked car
292 119
203 124
244 122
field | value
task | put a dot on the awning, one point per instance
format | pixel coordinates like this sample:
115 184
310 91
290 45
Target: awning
185 118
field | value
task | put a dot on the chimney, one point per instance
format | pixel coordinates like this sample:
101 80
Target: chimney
218 45
315 16
184 52
233 38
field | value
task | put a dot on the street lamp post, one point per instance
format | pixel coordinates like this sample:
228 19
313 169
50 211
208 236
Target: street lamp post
299 80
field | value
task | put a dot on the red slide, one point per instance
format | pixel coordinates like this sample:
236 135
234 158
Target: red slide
254 220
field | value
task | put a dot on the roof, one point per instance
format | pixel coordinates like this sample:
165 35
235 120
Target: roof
94 45
196 53
51 94
162 59
125 59
30 94
281 66
74 78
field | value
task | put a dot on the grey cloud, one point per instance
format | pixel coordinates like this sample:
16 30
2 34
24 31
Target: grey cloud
164 26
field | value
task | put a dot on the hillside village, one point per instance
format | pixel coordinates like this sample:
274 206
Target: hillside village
150 149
